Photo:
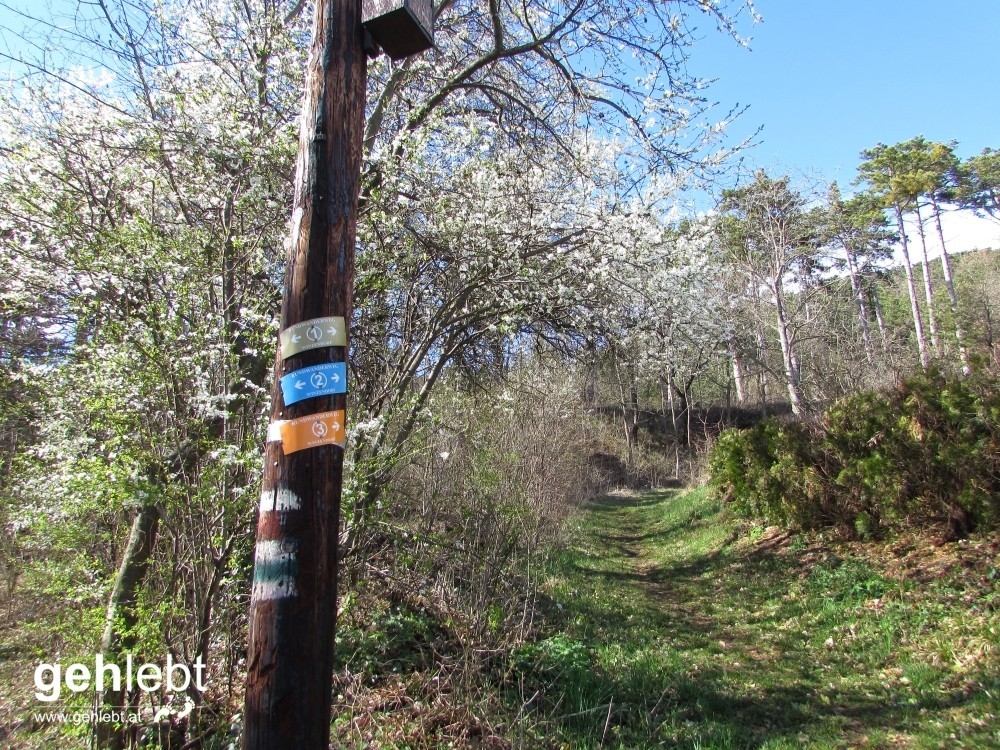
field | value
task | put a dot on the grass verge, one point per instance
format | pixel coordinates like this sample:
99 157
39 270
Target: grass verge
668 632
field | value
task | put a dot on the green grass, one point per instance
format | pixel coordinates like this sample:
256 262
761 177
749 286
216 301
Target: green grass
667 624
666 632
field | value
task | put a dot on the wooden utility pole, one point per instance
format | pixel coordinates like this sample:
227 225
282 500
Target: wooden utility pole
294 600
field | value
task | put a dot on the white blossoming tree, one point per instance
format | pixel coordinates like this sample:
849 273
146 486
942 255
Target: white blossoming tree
510 198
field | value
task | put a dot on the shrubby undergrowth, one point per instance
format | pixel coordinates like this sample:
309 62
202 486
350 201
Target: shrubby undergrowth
925 454
444 579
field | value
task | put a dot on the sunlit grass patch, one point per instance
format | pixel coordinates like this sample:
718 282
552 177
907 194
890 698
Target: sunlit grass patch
675 634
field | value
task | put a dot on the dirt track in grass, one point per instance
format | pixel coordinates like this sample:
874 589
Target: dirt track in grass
697 631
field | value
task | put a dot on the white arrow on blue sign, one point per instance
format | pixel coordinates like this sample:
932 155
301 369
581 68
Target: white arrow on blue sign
310 382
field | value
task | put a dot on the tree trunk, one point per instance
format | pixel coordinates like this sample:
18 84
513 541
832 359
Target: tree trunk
122 617
859 298
220 567
682 416
992 345
787 355
629 422
633 393
664 387
734 353
949 283
918 325
668 382
761 340
928 284
687 426
879 316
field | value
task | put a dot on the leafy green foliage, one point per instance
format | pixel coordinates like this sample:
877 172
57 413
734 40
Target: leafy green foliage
761 471
553 659
926 453
399 638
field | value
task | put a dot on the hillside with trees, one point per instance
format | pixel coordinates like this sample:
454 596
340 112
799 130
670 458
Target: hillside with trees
538 322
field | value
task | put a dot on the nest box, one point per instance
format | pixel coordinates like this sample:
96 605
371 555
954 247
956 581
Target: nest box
400 27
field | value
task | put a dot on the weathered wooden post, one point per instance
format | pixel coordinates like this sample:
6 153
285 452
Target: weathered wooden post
294 597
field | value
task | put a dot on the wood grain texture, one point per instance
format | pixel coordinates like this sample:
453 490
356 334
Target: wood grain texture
290 654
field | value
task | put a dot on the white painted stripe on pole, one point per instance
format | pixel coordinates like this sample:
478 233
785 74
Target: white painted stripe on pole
280 499
274 431
270 551
267 590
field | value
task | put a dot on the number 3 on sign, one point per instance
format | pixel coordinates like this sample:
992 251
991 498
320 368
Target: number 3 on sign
325 428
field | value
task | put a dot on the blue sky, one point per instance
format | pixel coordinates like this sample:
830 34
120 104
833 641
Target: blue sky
828 78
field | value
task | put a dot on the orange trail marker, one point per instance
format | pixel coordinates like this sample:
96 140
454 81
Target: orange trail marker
325 428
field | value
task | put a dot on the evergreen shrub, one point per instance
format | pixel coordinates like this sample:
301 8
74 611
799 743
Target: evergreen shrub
924 454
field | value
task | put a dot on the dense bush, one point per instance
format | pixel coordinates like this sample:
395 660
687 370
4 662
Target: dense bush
768 471
469 515
924 454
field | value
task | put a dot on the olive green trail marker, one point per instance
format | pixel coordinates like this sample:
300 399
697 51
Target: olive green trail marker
313 334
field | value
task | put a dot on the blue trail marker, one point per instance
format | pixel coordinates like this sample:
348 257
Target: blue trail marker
309 382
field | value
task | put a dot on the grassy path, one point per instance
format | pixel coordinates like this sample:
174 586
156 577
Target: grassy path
670 635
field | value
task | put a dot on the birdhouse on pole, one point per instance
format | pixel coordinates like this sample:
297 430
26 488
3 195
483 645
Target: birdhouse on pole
400 27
